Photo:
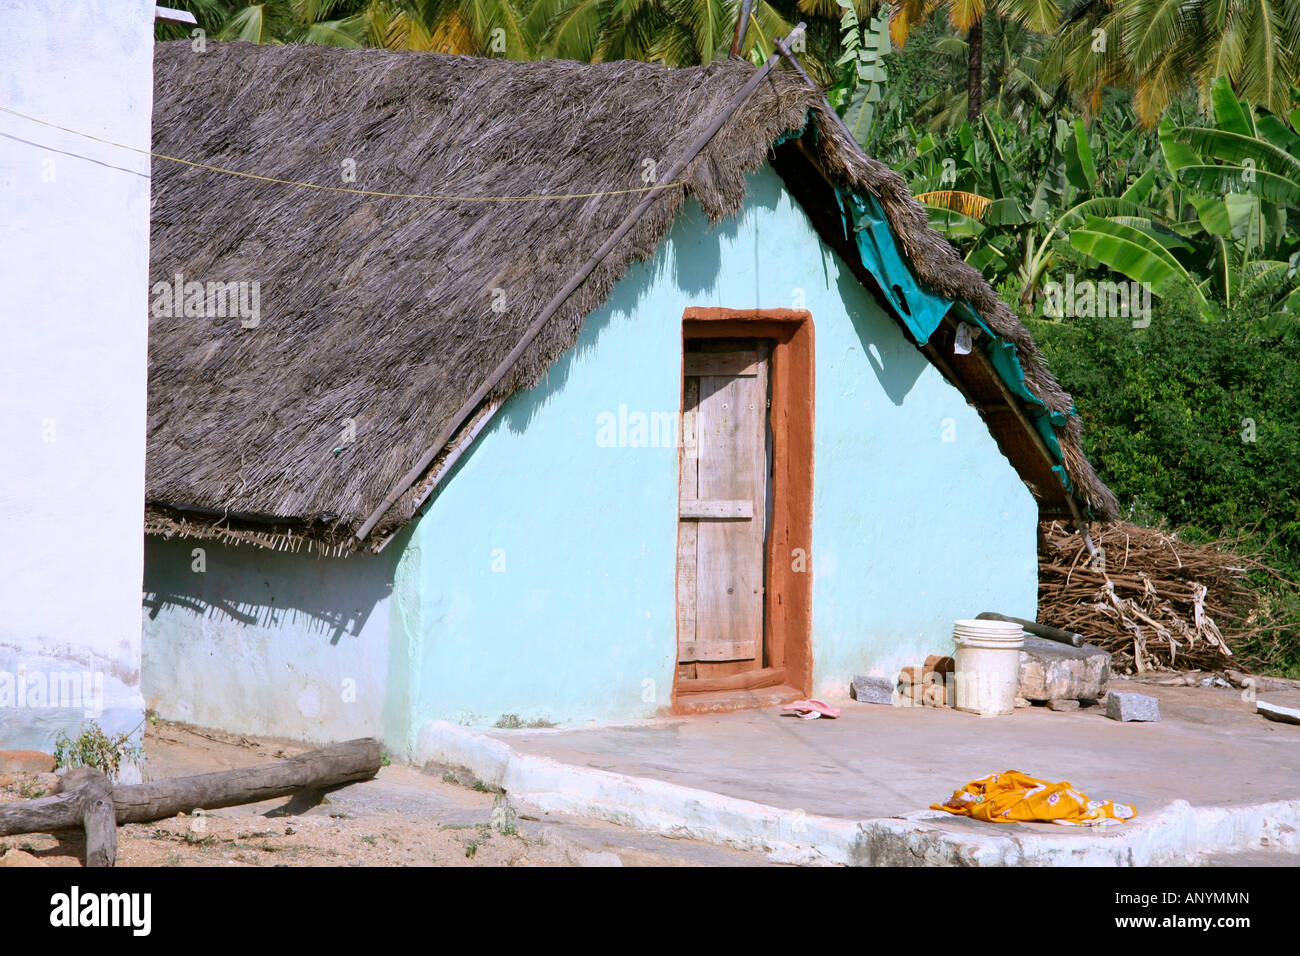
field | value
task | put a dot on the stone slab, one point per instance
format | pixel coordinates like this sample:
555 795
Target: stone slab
26 761
1205 780
1126 707
1286 715
874 690
1051 670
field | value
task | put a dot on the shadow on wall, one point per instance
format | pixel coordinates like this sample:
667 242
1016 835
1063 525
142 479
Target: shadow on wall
697 265
269 589
898 363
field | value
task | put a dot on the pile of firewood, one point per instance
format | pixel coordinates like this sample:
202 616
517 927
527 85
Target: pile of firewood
1151 599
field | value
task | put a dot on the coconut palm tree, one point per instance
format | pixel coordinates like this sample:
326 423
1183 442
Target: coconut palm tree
328 22
475 27
1013 86
967 16
1236 203
675 32
1162 48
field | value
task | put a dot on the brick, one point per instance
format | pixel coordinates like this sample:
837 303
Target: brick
914 694
940 665
918 676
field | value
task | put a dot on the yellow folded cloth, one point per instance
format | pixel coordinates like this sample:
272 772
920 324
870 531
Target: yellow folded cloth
1012 796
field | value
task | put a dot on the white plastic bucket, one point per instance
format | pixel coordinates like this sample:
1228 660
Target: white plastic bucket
987 666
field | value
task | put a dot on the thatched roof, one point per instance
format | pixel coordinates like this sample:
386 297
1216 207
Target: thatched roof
381 311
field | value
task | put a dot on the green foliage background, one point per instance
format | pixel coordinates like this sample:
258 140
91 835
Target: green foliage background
1165 412
1036 184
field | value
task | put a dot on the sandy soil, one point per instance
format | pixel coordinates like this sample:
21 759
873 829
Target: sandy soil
404 817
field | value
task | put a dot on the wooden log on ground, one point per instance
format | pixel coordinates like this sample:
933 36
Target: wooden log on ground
86 797
42 815
140 803
316 769
98 815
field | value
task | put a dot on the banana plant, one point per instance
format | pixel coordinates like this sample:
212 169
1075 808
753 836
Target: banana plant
1237 182
861 67
1012 197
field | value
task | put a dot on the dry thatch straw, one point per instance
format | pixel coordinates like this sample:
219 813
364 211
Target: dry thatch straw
1154 600
382 315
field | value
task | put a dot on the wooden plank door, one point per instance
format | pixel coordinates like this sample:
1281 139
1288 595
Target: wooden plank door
722 510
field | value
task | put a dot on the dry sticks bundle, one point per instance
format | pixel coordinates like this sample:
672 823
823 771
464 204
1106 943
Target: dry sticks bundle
1150 598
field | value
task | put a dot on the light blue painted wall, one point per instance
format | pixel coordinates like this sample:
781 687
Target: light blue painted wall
910 530
918 519
270 642
541 581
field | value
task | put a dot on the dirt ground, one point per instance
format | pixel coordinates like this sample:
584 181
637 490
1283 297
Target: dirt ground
1210 748
403 817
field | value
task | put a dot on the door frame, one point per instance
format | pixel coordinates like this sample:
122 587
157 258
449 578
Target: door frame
788 605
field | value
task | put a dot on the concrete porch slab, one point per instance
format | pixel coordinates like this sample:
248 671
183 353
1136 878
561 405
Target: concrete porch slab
1211 777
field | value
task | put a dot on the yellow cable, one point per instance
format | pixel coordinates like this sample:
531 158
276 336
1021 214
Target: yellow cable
341 189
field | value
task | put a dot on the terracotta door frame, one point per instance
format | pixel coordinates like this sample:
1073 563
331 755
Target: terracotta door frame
788 607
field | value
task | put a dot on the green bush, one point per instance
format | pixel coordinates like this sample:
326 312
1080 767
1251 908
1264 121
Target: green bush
94 748
1197 423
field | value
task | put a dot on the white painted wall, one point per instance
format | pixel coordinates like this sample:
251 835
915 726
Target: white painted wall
74 257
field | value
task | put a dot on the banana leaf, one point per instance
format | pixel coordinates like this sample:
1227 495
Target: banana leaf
1141 187
1216 179
1236 149
1228 112
1279 134
970 205
1133 253
1229 216
954 225
1080 169
1005 212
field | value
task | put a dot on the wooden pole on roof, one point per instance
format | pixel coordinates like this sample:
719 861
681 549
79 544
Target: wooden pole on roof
783 47
553 306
